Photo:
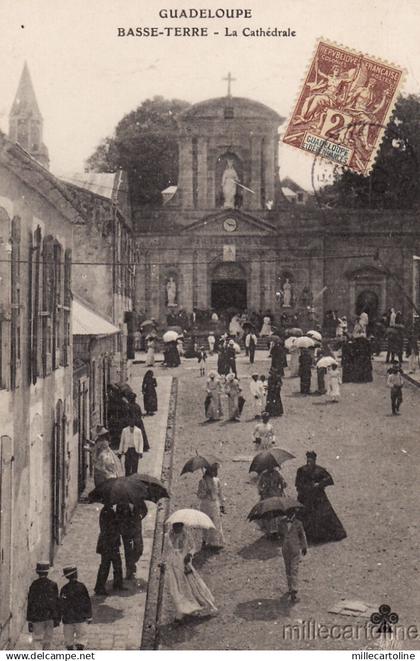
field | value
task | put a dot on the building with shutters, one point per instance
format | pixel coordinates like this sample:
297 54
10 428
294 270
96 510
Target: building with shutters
39 461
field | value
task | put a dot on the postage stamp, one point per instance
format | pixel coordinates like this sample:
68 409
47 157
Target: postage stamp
344 106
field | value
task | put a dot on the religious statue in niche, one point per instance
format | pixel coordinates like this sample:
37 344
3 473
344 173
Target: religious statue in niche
229 183
171 292
287 292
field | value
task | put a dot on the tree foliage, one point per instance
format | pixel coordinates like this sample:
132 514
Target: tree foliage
394 182
145 145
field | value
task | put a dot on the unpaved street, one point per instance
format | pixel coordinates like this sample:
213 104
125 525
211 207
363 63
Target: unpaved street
373 458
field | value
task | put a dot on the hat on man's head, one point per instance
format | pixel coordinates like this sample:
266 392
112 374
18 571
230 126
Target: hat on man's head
311 454
265 414
70 570
42 567
101 431
254 374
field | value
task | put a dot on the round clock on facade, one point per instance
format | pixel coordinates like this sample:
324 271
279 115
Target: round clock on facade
230 224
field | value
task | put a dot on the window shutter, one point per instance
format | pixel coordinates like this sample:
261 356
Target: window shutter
30 308
67 307
47 303
15 353
37 298
57 306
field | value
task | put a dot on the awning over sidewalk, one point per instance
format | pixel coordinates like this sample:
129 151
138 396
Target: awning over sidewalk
88 322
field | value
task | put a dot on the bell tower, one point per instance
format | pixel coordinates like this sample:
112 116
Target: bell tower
25 120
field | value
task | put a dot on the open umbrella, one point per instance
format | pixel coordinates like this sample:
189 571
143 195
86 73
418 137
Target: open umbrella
147 322
199 461
290 343
297 332
154 487
315 335
177 329
269 459
327 361
304 342
170 336
271 507
120 490
191 518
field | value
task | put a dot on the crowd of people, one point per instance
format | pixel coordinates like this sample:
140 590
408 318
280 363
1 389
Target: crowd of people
309 520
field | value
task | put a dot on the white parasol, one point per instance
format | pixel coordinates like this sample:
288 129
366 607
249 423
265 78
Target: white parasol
170 336
327 361
314 335
304 342
290 343
192 518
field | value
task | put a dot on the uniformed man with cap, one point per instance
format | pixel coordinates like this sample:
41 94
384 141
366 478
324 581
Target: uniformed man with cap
76 610
43 613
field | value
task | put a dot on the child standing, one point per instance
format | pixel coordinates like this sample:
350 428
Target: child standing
43 613
334 381
264 437
202 358
76 610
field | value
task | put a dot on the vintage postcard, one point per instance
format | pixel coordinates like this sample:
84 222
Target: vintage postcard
209 328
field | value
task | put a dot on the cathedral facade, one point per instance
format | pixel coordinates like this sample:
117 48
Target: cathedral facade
226 237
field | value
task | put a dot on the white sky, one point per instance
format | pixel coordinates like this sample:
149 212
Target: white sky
86 78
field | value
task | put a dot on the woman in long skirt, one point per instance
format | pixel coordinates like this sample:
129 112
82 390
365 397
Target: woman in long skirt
212 404
305 372
149 386
334 381
212 503
320 521
233 390
271 483
294 361
274 405
150 355
189 593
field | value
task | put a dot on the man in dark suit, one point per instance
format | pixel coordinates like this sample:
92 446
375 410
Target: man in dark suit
43 613
294 543
108 547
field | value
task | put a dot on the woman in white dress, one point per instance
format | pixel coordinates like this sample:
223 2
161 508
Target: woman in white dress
294 361
212 503
213 404
150 355
189 593
333 381
233 390
266 330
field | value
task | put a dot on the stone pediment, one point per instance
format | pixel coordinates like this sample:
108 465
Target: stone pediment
230 223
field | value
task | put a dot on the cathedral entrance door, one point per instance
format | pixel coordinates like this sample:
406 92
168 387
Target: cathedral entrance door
227 294
229 287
